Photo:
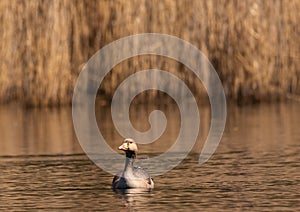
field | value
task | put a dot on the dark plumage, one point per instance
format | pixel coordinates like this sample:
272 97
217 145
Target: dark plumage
131 177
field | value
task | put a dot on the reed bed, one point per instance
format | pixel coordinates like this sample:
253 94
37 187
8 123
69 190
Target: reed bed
254 45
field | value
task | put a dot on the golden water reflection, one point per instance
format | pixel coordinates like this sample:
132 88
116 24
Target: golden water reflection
49 131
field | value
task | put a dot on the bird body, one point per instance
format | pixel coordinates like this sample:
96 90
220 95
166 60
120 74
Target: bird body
131 176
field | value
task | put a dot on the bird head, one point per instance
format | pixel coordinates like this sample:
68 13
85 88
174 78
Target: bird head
129 145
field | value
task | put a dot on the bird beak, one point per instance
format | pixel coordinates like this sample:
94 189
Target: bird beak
124 147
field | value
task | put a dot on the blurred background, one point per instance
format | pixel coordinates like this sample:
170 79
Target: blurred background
254 46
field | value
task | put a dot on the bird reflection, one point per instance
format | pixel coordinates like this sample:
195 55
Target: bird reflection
133 197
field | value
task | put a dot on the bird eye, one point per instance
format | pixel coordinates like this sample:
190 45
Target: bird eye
130 142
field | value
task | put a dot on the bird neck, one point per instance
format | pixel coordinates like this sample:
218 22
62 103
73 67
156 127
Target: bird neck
130 157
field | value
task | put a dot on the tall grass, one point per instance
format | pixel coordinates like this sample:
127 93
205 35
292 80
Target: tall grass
254 45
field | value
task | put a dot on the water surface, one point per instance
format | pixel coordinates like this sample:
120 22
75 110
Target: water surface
256 166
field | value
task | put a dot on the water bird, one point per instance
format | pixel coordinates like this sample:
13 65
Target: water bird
131 176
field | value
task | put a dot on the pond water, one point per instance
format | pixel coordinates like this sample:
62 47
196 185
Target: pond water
256 166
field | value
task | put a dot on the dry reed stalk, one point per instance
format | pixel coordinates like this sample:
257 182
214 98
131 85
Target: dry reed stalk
254 45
